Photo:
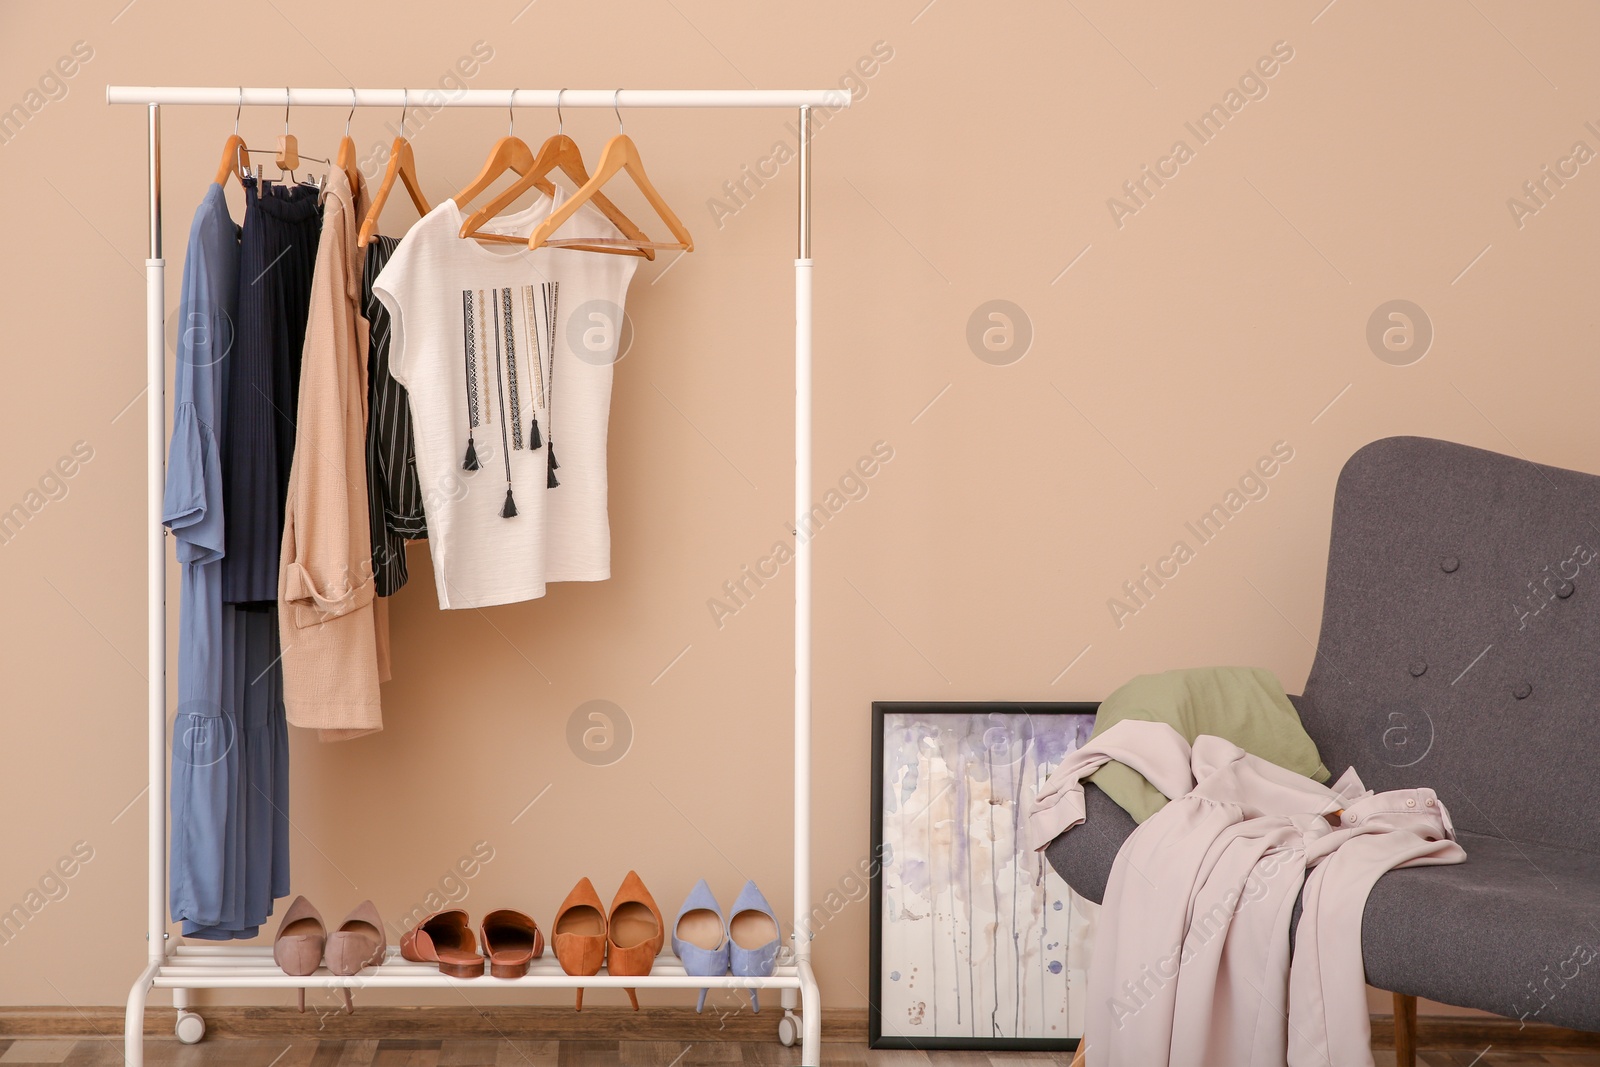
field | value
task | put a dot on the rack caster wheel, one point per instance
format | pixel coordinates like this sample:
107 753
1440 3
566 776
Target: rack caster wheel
190 1028
788 1029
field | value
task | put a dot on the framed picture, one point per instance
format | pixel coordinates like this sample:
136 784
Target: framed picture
977 943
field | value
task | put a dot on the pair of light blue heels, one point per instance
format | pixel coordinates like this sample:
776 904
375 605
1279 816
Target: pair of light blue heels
746 943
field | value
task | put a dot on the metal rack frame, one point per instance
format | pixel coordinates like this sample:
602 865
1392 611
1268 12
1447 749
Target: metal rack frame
185 967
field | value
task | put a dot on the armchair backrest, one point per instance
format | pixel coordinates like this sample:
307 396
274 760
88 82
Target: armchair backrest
1460 643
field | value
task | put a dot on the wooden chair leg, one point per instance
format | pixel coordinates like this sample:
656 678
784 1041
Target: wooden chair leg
1080 1057
1405 1030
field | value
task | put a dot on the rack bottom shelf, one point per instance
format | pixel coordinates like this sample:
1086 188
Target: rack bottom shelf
252 967
191 967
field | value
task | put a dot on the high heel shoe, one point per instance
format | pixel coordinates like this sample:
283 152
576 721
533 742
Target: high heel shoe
753 934
445 938
359 942
579 933
297 946
511 941
700 936
635 933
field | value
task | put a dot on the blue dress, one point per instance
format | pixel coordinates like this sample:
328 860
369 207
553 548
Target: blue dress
205 734
230 781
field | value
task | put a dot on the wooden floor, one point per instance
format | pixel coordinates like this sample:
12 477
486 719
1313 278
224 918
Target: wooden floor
399 1052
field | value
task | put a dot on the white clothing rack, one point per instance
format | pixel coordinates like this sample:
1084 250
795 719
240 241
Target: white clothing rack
210 966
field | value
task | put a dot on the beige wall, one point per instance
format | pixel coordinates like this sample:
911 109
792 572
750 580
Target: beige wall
1224 315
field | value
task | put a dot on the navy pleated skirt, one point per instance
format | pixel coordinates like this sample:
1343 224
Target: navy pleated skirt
277 254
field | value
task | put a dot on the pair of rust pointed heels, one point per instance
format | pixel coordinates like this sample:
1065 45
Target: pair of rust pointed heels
624 940
511 942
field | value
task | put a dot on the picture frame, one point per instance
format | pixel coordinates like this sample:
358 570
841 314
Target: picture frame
937 879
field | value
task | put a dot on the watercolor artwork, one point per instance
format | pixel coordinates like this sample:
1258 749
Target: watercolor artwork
978 942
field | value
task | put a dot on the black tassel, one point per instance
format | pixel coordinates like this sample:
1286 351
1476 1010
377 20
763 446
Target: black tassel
470 463
553 464
511 506
550 469
535 441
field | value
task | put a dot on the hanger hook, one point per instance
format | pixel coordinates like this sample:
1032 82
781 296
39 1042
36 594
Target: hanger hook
511 114
285 109
614 98
238 110
352 114
560 124
405 106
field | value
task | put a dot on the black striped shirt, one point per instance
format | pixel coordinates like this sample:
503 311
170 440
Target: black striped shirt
394 497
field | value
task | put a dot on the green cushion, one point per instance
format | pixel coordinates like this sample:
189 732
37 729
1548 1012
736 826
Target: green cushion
1245 705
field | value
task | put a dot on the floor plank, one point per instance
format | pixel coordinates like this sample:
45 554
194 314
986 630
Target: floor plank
843 1054
467 1052
520 1053
679 1053
357 1053
95 1053
36 1051
587 1054
435 1052
327 1054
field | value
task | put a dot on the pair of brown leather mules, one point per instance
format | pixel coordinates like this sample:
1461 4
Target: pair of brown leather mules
585 937
511 941
303 943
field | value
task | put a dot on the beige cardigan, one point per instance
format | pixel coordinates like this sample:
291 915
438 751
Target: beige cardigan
1191 958
326 617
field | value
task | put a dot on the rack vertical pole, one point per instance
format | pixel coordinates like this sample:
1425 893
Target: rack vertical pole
155 403
811 1017
156 594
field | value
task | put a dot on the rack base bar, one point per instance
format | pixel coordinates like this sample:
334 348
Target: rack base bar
133 1022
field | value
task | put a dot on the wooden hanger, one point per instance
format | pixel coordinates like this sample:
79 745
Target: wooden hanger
345 158
620 154
288 156
560 152
510 153
402 165
235 153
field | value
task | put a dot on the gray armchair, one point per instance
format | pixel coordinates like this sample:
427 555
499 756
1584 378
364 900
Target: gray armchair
1460 649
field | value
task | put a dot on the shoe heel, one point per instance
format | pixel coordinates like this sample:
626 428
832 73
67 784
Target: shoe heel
580 999
700 937
508 970
633 998
461 970
753 938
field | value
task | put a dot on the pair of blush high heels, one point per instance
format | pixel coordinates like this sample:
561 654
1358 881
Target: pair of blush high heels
624 940
511 942
303 943
745 944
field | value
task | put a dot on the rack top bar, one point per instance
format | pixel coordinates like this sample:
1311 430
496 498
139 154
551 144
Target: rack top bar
435 97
